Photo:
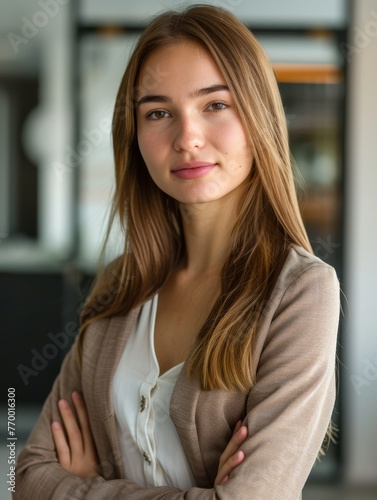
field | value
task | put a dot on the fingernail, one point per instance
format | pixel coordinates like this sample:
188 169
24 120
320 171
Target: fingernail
241 430
76 395
63 403
55 425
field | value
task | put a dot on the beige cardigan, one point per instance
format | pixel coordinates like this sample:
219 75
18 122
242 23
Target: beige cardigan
287 412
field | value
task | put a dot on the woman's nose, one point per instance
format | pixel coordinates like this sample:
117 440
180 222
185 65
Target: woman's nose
189 135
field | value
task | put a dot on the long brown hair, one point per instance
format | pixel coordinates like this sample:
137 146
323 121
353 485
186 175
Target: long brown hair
268 223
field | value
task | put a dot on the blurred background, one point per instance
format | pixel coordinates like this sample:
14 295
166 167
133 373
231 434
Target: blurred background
60 65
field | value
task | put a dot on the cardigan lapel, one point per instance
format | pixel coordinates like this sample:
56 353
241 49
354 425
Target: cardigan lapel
183 409
113 346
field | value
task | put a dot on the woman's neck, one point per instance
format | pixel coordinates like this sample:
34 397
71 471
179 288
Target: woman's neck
207 230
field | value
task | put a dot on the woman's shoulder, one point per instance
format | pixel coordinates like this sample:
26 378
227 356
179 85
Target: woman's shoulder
304 304
301 264
303 279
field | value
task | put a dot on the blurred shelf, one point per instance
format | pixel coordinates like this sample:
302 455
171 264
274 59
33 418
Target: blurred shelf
308 73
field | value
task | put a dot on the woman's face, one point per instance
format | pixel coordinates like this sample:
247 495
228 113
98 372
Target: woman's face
189 133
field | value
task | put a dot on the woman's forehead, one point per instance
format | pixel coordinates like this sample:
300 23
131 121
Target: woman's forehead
185 65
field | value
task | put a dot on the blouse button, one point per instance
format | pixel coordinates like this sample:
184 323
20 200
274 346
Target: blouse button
147 458
142 404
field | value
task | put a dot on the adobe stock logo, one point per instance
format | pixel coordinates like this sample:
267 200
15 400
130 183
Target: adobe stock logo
50 351
369 375
92 139
31 27
362 37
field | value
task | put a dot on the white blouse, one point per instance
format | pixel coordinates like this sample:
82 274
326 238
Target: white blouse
151 449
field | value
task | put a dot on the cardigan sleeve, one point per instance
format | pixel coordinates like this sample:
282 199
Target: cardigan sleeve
288 411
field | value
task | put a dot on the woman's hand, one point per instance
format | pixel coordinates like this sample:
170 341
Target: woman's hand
232 456
77 455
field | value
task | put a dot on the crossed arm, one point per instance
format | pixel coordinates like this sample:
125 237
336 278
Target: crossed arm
77 453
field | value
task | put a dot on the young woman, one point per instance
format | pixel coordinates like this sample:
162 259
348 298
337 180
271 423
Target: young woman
205 366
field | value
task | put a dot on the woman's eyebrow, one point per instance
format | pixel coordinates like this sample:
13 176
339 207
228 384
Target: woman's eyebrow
196 93
208 90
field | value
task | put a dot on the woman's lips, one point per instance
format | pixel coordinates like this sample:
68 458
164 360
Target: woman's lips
193 169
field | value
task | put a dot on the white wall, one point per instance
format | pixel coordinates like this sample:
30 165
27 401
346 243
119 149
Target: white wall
360 339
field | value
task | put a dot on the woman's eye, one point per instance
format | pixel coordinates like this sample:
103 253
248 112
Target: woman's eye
157 114
217 106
